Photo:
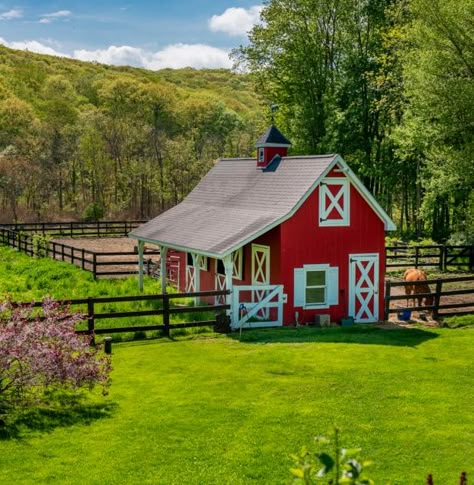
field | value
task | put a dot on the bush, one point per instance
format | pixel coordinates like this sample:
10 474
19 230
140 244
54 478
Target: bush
93 212
40 351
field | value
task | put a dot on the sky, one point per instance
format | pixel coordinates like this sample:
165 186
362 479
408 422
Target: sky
150 34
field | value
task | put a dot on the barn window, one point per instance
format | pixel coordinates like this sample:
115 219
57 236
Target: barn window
238 264
334 202
202 261
316 286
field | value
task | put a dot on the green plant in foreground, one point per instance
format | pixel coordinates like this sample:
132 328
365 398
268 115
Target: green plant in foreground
331 464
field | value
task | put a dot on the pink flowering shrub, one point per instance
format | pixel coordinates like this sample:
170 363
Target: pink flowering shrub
43 352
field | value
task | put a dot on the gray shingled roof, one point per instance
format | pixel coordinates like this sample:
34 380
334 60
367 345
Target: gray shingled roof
273 135
233 204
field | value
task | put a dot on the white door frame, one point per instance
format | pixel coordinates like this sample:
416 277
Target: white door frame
364 294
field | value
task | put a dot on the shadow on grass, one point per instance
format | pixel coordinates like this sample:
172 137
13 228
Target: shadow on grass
61 411
359 334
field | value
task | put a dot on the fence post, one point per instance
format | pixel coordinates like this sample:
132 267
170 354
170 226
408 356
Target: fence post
437 298
388 286
91 321
83 255
94 265
72 254
166 315
471 258
417 256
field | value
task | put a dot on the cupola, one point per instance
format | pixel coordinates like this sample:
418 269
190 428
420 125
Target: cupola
270 144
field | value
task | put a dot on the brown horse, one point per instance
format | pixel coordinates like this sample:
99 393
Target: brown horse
412 275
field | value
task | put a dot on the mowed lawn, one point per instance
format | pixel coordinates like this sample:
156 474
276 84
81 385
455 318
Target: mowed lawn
216 410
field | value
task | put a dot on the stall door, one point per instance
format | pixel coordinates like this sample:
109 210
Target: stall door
260 275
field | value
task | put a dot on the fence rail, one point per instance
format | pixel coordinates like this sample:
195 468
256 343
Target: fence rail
442 257
75 229
166 310
95 262
438 307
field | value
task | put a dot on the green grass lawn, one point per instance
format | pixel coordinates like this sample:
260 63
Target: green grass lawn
216 410
24 279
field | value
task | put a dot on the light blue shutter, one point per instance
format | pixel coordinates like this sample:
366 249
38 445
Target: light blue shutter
299 288
333 285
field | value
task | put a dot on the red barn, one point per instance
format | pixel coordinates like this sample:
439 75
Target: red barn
291 237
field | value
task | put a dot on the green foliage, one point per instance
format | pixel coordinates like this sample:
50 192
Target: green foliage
331 464
93 213
459 321
40 245
132 141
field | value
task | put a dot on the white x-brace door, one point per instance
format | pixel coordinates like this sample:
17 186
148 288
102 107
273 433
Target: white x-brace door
260 274
364 287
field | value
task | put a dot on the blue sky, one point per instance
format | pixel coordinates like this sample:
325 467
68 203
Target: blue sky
163 33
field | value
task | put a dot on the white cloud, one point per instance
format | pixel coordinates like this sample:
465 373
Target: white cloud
236 21
47 18
58 14
173 56
11 14
33 46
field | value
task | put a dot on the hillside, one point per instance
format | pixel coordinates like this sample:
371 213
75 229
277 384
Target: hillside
85 139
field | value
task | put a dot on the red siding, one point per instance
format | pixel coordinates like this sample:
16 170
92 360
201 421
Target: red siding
304 242
269 153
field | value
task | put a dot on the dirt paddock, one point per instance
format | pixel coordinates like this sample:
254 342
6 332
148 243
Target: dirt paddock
127 262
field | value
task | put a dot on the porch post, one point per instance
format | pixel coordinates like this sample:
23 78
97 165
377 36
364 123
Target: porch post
196 275
229 269
141 244
163 253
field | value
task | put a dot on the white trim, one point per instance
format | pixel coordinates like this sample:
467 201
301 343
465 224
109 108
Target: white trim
261 154
238 264
389 225
273 145
203 262
344 208
355 287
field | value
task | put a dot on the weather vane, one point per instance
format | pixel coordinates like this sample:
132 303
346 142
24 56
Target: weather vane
273 108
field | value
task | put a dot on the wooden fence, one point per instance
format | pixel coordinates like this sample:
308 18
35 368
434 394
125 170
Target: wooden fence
438 307
443 257
167 309
75 229
98 263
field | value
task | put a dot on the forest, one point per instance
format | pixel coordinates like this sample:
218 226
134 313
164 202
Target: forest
388 84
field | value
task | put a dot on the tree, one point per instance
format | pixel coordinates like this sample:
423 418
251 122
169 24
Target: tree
439 72
43 353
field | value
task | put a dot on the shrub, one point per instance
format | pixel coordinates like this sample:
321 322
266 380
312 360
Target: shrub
40 351
93 212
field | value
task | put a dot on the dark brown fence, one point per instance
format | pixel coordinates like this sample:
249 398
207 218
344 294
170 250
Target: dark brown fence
166 310
442 257
75 229
100 264
439 308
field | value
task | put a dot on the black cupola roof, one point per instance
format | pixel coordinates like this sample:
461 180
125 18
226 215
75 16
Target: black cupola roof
273 136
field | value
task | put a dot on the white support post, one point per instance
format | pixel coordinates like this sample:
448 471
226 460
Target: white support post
163 254
141 245
229 269
197 275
